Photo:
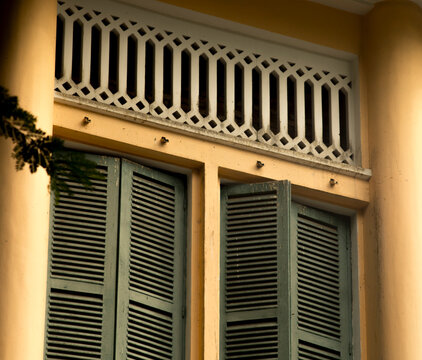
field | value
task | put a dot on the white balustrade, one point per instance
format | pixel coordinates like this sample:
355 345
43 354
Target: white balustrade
207 78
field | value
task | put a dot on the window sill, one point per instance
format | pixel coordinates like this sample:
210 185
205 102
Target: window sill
244 144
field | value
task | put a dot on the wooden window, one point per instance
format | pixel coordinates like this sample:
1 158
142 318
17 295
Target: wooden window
286 288
116 278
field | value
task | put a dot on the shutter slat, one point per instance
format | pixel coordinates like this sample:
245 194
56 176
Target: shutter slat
85 208
251 198
323 286
154 209
315 304
150 239
85 198
73 229
61 337
90 217
256 236
94 263
311 254
313 266
69 221
263 212
143 245
150 200
160 217
61 354
254 265
147 192
76 237
152 189
70 244
315 242
320 253
153 224
154 232
155 261
260 230
308 351
251 289
251 244
318 234
250 254
158 332
157 187
149 283
63 314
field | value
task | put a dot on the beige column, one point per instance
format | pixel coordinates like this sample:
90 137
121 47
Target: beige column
195 310
211 262
27 48
392 66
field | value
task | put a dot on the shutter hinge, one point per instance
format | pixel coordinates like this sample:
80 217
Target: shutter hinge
350 349
183 312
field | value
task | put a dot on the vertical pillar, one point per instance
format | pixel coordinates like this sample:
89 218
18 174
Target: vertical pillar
392 62
211 262
27 43
195 310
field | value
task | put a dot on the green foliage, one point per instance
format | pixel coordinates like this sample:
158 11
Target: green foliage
33 147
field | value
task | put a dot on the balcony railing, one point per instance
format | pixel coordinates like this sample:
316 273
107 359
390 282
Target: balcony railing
207 78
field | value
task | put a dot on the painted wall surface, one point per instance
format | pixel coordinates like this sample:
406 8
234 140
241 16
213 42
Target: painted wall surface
389 44
393 56
27 41
318 24
28 71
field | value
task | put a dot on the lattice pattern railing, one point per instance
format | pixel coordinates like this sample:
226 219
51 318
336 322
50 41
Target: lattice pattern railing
206 78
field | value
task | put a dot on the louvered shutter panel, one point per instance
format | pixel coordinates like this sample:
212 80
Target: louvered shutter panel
151 269
321 286
254 271
82 264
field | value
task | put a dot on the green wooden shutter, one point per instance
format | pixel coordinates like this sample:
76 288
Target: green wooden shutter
254 271
82 263
321 286
151 267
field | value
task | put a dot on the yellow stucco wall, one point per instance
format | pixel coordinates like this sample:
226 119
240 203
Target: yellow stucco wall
392 60
388 42
30 76
318 24
27 40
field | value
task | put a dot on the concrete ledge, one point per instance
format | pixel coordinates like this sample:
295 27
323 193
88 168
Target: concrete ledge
259 148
